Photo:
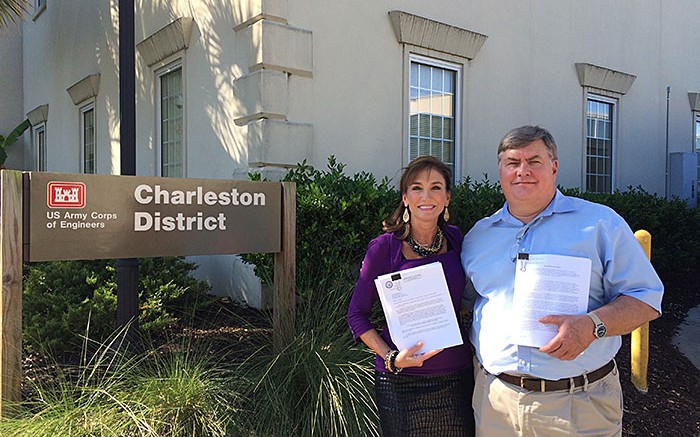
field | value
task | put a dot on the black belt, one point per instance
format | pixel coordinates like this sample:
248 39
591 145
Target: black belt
543 385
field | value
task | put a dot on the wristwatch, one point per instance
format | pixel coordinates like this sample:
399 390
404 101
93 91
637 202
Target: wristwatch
600 329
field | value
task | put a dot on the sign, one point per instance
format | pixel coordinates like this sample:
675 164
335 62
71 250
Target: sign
87 216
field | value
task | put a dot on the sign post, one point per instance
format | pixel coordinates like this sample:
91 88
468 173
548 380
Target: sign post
11 291
283 303
60 216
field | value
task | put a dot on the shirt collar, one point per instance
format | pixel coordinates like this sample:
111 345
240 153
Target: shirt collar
559 204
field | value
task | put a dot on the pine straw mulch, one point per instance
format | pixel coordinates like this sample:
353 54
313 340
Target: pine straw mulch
670 407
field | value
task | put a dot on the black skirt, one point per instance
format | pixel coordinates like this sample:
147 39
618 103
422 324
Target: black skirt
439 406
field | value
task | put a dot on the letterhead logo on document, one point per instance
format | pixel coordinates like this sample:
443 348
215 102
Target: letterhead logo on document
65 194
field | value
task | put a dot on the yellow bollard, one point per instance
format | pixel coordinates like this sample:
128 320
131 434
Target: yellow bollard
639 349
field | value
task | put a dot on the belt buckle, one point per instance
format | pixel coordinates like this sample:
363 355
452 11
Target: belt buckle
543 384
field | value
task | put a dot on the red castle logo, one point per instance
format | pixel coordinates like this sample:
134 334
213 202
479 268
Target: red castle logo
65 195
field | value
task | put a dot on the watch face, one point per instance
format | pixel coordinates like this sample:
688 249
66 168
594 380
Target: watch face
600 331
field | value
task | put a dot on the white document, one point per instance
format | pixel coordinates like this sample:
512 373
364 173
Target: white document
547 285
417 307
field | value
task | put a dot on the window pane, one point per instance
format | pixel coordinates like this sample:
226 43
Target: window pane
424 147
448 151
413 149
437 79
413 100
424 101
436 127
424 125
436 149
413 125
448 105
449 81
448 124
424 76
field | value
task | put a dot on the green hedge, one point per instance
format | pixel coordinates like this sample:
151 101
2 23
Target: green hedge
61 297
674 227
338 214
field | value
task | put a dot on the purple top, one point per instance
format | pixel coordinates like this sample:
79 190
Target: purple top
384 256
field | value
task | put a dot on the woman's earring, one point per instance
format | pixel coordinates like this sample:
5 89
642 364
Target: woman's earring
446 216
406 215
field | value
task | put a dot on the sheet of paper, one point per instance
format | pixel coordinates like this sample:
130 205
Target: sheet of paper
417 307
547 285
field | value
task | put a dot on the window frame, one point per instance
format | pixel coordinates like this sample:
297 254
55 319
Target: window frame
39 8
83 146
167 68
39 140
458 69
696 143
615 104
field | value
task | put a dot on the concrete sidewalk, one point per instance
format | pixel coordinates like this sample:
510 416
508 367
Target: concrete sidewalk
688 337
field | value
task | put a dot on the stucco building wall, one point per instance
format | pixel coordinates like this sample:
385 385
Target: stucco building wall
269 83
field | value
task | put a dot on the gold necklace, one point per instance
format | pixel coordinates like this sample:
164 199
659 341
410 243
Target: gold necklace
427 249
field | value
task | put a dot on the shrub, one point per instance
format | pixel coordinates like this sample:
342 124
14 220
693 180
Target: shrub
472 201
674 227
60 297
337 216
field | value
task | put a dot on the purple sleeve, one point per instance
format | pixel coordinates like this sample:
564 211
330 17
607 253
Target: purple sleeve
376 262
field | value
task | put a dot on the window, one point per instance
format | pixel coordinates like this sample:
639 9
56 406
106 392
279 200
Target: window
39 7
600 125
87 138
170 121
40 146
433 115
697 143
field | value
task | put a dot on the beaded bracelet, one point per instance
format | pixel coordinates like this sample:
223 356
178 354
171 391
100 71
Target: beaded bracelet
390 361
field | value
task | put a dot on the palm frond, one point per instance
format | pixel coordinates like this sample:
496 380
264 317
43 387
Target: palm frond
11 11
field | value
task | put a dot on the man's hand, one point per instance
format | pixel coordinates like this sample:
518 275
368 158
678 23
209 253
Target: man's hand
574 336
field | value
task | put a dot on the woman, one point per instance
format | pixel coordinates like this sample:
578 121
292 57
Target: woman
427 394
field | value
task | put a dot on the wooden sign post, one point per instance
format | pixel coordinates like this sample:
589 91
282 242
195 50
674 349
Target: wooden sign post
11 291
50 216
284 297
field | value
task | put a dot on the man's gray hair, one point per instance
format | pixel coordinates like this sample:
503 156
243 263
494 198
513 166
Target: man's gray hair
524 135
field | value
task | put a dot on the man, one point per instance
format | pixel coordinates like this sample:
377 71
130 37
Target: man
570 385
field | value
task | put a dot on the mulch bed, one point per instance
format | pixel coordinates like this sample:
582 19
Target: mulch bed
671 407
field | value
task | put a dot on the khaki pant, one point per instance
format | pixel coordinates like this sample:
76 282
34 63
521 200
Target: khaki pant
503 410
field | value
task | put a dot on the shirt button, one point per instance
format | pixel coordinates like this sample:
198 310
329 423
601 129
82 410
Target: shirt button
522 362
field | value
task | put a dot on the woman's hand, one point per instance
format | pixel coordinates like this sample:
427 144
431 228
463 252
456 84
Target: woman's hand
408 357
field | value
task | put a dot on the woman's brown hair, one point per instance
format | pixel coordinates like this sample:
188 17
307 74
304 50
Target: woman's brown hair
395 222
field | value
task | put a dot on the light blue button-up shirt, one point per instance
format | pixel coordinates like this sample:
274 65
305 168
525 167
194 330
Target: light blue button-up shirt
568 226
